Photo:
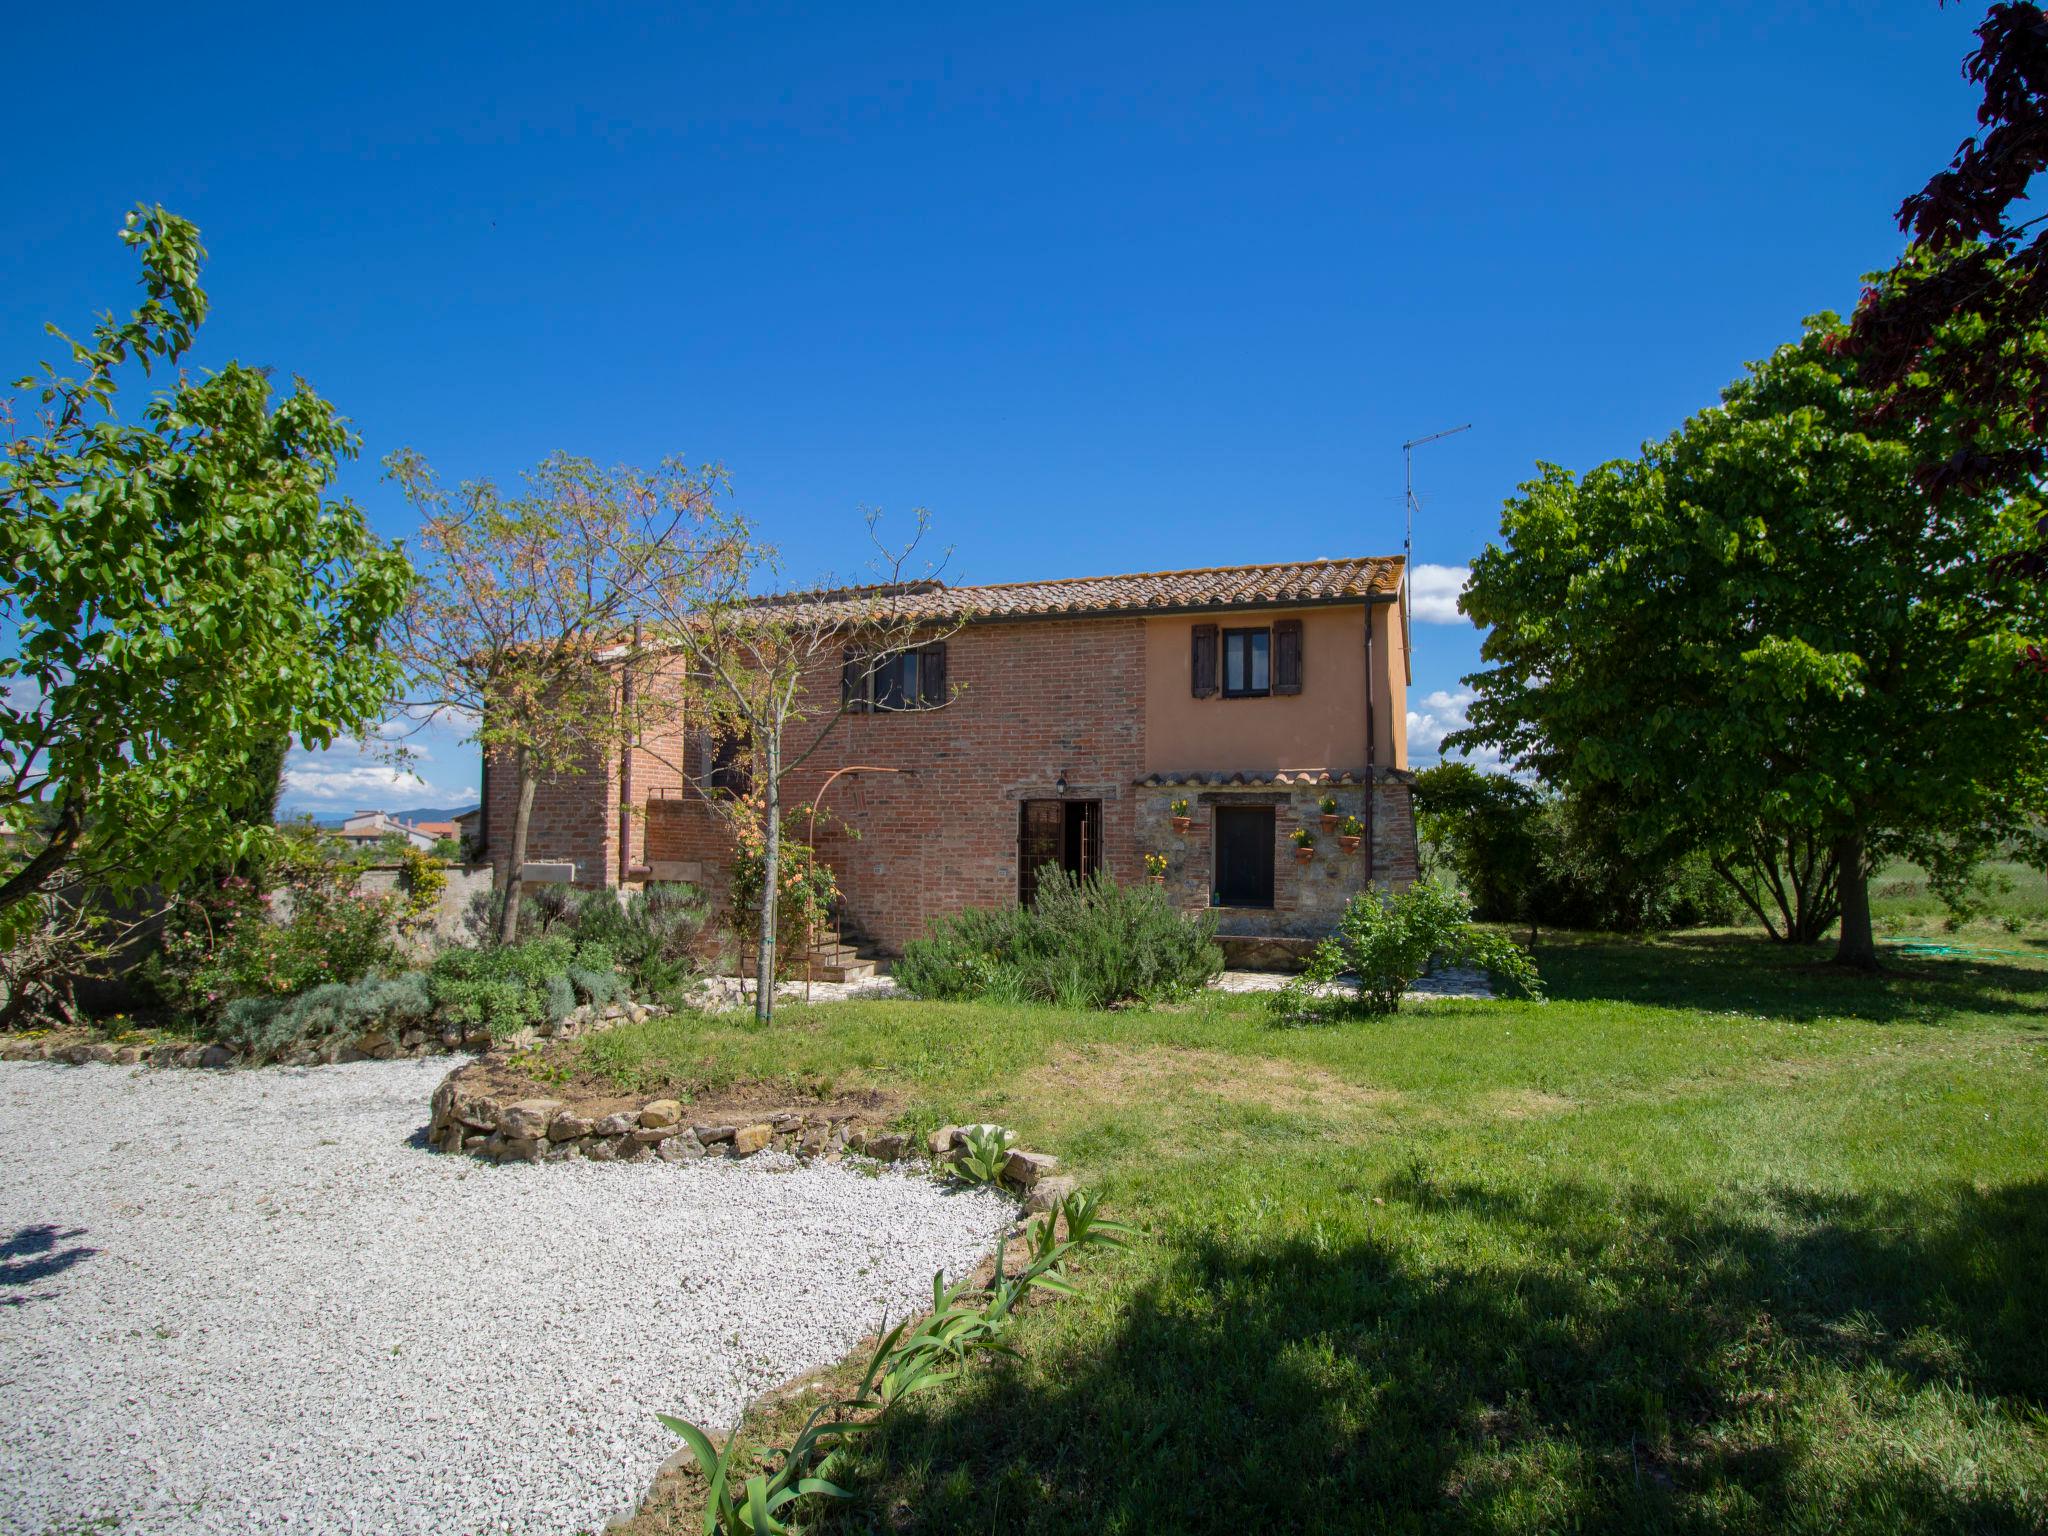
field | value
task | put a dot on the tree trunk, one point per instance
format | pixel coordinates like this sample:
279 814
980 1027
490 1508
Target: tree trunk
771 877
1857 947
522 818
28 880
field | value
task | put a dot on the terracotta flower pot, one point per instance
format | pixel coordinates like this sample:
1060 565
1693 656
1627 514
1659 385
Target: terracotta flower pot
1182 823
1330 821
1157 879
1348 844
1303 855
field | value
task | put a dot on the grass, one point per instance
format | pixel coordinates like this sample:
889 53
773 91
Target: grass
1716 1240
2011 897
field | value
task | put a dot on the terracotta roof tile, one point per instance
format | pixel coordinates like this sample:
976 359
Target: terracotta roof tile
1228 586
1311 776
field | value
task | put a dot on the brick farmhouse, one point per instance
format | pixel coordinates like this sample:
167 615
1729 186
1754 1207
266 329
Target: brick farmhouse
1056 722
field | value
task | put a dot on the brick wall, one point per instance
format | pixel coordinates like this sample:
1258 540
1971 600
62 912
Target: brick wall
1034 700
575 819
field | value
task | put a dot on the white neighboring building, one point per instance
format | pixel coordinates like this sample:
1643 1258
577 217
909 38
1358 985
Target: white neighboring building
366 827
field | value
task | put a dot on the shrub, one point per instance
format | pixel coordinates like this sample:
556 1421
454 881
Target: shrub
518 985
650 934
803 902
1387 942
1533 856
594 987
1082 944
266 1026
224 941
402 999
423 880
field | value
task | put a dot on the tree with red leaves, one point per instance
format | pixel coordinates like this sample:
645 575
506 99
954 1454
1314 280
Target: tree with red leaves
1951 338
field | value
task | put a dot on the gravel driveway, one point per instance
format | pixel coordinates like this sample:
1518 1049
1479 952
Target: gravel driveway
243 1301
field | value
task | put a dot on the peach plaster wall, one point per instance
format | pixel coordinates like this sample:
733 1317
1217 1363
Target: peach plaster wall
1323 726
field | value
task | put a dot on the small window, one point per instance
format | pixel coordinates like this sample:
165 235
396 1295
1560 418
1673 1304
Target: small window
908 679
1245 653
895 681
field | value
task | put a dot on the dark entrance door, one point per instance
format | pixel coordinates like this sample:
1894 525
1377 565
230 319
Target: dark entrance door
1063 832
1244 855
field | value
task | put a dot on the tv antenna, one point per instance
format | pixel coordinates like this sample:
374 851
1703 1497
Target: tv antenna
1408 476
1408 505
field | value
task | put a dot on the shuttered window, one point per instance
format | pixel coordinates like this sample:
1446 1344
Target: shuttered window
1247 660
853 684
902 680
1287 656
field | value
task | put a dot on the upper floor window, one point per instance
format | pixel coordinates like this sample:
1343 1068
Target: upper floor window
1245 660
908 679
1252 663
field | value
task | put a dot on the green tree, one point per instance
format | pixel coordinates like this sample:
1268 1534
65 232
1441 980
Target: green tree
1762 632
1483 826
523 615
770 675
180 592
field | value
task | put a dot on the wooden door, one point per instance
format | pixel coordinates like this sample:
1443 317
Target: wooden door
1244 855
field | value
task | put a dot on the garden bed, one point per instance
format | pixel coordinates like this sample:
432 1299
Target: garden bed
77 1047
528 1106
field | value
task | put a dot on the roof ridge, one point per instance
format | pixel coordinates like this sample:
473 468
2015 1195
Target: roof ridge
1192 570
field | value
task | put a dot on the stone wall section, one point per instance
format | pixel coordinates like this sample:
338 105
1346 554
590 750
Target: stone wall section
1308 897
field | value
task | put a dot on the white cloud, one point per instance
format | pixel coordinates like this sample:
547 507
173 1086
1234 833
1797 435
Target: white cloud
1442 713
349 776
1433 593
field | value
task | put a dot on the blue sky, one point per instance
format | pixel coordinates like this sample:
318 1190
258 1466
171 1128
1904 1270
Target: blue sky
1106 287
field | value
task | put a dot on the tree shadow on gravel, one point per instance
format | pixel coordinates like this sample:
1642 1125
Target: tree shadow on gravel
1579 1358
35 1253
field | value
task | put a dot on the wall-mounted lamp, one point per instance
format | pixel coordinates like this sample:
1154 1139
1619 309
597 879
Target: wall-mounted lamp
1060 784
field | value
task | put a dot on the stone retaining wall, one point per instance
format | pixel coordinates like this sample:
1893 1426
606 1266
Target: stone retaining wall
411 1041
542 1130
535 1130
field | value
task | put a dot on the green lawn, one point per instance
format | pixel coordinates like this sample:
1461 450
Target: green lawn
2014 899
1717 1239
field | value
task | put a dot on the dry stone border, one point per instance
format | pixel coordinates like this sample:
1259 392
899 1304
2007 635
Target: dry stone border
547 1130
72 1048
1034 1175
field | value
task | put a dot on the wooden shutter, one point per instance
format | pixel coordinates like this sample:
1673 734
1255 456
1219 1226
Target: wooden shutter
1287 656
853 684
931 675
1202 662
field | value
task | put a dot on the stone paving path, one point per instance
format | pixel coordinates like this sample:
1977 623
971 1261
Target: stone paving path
724 991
